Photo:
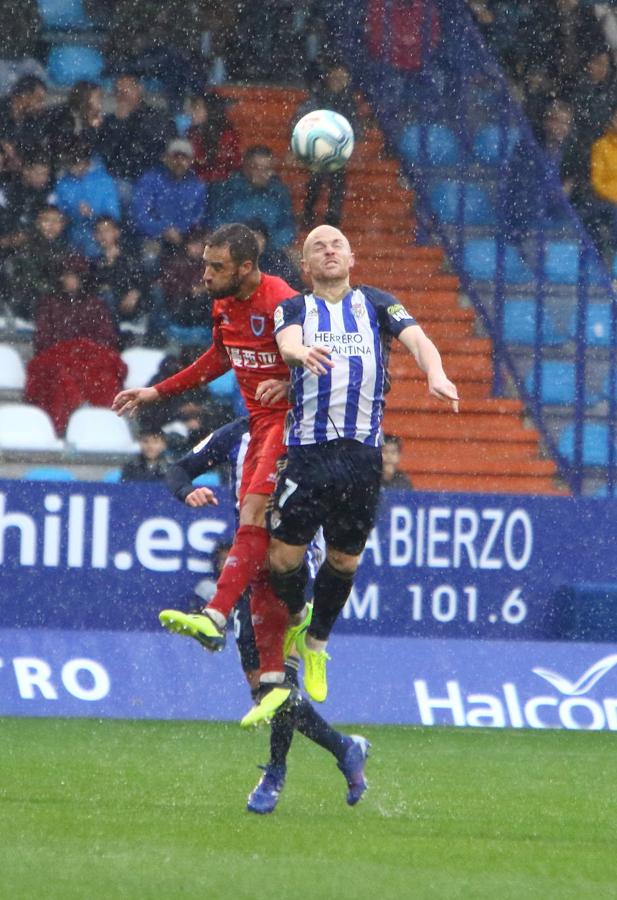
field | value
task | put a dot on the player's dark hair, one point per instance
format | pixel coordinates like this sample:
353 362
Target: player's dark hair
242 243
257 150
27 84
392 439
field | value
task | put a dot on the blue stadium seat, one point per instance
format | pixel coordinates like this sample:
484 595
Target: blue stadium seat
519 324
48 473
445 201
557 382
598 324
224 387
68 63
112 476
562 263
489 145
595 443
208 479
441 145
480 261
182 122
63 14
188 336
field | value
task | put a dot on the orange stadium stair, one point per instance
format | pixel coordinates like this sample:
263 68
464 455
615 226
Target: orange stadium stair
487 447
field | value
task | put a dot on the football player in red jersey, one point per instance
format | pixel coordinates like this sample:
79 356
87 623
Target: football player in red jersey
245 300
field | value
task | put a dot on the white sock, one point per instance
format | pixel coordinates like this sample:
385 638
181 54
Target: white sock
272 677
217 617
313 644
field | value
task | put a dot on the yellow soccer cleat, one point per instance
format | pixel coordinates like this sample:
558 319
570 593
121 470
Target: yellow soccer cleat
294 631
269 705
200 627
315 679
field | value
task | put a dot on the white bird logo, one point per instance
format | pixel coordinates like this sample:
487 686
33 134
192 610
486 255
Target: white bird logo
584 683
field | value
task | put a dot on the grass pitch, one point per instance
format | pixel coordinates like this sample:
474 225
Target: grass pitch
108 809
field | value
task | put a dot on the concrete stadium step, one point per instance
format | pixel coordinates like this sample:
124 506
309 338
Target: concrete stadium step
475 463
462 427
504 483
459 368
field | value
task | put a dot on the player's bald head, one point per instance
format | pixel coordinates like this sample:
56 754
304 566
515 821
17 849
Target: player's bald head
325 233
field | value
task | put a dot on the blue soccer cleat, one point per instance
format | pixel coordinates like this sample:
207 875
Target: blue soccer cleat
265 795
352 768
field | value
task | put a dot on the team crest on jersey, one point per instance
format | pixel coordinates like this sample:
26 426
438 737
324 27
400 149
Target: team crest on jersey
358 309
258 324
398 312
279 316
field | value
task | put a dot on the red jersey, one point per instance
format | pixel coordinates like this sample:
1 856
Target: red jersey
242 340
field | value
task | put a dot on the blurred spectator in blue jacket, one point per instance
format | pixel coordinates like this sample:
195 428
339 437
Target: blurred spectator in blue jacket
21 43
257 193
83 193
169 199
275 262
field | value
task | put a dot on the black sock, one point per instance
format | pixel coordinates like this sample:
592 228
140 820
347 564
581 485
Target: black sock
311 725
331 590
289 587
284 722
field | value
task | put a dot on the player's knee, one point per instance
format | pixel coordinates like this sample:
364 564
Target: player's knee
283 558
342 562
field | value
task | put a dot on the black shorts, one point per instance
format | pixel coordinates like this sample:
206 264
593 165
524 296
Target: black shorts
244 635
335 485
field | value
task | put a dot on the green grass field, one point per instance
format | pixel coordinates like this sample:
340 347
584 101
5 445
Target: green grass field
106 809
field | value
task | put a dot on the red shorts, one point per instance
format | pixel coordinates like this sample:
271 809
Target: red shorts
265 448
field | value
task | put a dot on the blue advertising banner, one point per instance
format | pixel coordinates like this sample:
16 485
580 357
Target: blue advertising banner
108 557
466 683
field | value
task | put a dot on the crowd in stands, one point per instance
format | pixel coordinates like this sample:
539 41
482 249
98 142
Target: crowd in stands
560 57
109 187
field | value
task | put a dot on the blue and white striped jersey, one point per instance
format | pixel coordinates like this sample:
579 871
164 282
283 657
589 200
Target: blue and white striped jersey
348 401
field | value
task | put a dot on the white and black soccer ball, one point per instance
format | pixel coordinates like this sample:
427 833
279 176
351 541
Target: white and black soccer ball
322 140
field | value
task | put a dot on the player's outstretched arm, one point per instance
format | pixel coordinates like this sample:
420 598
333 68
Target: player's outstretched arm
427 357
316 359
130 400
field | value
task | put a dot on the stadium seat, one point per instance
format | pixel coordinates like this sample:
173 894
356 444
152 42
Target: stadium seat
94 429
597 325
26 427
143 364
190 336
63 14
434 144
49 473
519 324
182 122
208 479
112 476
491 146
562 263
68 63
224 387
595 443
480 261
558 384
445 201
12 369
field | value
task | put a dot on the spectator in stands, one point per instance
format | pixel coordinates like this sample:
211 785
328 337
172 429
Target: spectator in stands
334 92
133 137
21 43
257 193
85 192
185 296
275 262
604 178
593 98
81 117
152 462
215 141
34 270
117 276
391 477
25 124
30 191
402 36
169 199
530 196
76 357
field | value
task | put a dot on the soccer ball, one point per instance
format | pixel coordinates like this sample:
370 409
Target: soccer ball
322 140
